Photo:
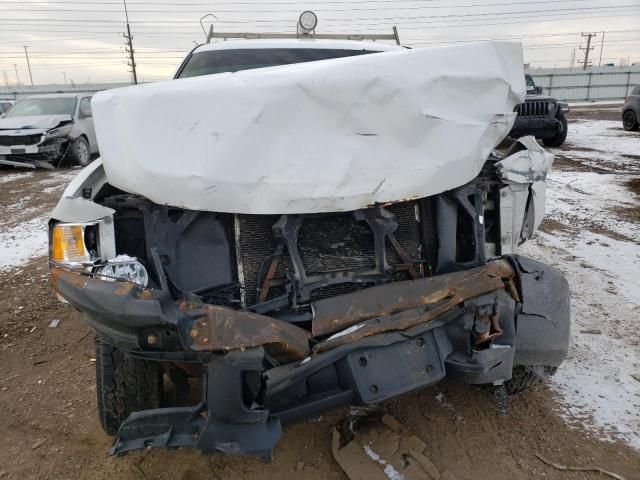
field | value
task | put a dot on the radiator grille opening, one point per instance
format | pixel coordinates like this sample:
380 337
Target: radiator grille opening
327 243
19 140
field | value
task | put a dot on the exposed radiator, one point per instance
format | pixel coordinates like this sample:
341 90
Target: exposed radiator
327 243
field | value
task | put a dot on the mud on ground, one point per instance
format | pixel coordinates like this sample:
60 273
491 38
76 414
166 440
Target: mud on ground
49 416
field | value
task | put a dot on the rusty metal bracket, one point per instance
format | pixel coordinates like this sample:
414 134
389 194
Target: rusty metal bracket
406 261
221 329
269 278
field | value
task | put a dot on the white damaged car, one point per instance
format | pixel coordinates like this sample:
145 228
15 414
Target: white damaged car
293 225
43 130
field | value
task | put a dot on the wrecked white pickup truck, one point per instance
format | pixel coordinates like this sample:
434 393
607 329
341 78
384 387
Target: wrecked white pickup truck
293 225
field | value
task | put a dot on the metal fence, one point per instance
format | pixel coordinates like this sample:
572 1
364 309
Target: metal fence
598 83
18 91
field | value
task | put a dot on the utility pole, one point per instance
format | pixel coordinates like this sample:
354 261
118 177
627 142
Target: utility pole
26 54
601 46
64 74
15 66
573 58
129 46
587 49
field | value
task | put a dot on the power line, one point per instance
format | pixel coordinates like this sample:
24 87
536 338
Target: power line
254 4
351 23
393 18
316 10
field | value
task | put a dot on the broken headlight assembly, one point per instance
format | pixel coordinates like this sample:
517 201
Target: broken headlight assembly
59 132
90 249
74 244
126 268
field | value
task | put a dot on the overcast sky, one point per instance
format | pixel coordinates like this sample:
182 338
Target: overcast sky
81 40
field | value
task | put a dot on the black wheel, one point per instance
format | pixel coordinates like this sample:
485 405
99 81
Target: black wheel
560 136
629 120
524 377
79 153
125 384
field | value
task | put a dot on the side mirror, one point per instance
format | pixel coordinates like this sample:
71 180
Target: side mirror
538 90
84 111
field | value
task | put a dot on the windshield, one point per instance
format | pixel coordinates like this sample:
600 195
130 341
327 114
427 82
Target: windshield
531 87
219 61
43 106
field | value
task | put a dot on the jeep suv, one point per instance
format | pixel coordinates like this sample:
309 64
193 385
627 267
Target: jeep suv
541 116
278 289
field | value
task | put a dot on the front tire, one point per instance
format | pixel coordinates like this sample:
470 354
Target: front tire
630 121
524 376
560 136
124 384
79 153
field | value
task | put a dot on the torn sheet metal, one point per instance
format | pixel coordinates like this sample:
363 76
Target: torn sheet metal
522 201
74 207
326 136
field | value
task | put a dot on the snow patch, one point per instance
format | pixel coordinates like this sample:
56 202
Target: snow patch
389 470
23 241
599 252
14 176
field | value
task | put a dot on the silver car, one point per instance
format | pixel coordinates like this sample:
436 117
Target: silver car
44 130
631 110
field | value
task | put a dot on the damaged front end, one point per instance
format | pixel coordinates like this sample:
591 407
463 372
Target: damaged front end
281 317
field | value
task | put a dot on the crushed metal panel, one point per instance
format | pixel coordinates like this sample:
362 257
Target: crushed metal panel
397 305
326 136
522 201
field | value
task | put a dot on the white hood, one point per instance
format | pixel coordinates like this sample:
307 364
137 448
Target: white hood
325 136
41 122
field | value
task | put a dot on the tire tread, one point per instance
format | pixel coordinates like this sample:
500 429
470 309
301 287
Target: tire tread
124 384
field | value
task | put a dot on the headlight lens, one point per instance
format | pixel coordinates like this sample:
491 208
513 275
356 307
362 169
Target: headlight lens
60 131
72 243
125 268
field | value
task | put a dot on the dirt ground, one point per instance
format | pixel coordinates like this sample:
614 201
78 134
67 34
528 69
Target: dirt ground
50 428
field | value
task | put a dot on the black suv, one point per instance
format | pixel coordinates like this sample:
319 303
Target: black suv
541 116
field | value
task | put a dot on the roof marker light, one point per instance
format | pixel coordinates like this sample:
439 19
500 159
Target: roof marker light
307 22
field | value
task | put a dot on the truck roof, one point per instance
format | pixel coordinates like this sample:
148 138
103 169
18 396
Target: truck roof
298 43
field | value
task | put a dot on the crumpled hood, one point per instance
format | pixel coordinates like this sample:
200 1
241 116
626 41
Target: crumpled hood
325 136
42 122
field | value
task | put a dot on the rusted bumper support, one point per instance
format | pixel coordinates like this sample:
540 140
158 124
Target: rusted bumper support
402 305
135 318
144 318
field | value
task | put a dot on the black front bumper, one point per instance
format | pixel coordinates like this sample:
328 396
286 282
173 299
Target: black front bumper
538 126
246 399
49 153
